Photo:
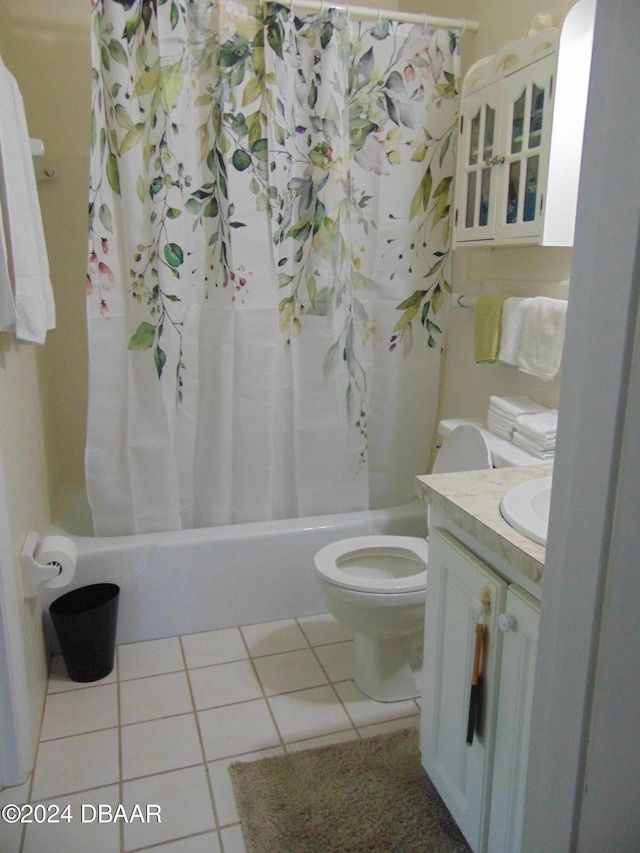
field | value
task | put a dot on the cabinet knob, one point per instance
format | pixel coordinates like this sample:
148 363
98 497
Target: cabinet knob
507 622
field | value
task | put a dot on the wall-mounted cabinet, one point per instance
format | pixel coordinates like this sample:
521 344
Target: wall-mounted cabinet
503 153
520 138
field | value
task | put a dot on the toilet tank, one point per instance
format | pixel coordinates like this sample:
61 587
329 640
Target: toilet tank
504 454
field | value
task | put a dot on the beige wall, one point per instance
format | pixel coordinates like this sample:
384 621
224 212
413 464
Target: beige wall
48 53
22 448
42 389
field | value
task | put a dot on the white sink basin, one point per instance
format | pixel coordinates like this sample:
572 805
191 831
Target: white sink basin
526 508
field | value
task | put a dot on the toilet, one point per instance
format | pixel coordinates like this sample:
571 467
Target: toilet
376 585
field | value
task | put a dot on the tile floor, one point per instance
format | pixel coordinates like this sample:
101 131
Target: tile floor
162 729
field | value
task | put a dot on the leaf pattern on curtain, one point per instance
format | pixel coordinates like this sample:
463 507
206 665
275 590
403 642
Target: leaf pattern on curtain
203 107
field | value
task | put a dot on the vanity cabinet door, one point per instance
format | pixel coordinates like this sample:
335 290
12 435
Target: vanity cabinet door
458 584
519 625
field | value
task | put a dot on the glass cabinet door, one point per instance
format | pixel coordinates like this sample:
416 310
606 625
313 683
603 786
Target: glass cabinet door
477 148
527 117
503 156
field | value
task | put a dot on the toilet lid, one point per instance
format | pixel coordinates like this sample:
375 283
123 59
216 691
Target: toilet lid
465 449
383 564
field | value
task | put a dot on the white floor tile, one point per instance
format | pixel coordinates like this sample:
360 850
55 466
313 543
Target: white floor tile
223 796
323 629
289 671
269 638
159 745
59 679
224 684
82 833
323 740
76 763
232 839
162 739
337 659
184 800
308 713
207 843
157 696
76 711
390 726
152 657
210 647
365 711
234 729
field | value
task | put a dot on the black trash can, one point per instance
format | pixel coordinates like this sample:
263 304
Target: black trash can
85 622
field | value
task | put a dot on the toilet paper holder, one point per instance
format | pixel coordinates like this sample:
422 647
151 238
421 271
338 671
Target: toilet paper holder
60 554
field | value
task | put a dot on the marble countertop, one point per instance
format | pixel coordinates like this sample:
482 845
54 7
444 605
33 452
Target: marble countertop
472 500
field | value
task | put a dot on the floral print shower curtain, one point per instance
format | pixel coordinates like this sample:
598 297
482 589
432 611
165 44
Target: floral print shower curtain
268 271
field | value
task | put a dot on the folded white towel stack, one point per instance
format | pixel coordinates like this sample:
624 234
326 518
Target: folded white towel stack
514 310
537 433
543 337
504 411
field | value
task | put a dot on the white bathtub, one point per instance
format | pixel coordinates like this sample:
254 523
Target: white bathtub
199 580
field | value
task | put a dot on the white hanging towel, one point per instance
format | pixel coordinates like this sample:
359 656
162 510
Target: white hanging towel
543 337
514 311
24 276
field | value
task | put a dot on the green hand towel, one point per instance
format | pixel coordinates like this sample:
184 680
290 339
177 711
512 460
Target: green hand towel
488 323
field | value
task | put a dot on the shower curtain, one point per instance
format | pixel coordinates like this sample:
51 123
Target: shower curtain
268 260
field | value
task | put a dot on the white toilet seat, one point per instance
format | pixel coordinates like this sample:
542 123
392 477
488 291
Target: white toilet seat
375 564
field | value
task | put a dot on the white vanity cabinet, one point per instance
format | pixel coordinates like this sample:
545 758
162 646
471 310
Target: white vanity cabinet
504 142
482 783
519 627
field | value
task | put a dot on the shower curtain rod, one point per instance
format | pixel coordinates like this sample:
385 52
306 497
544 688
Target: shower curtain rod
392 15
